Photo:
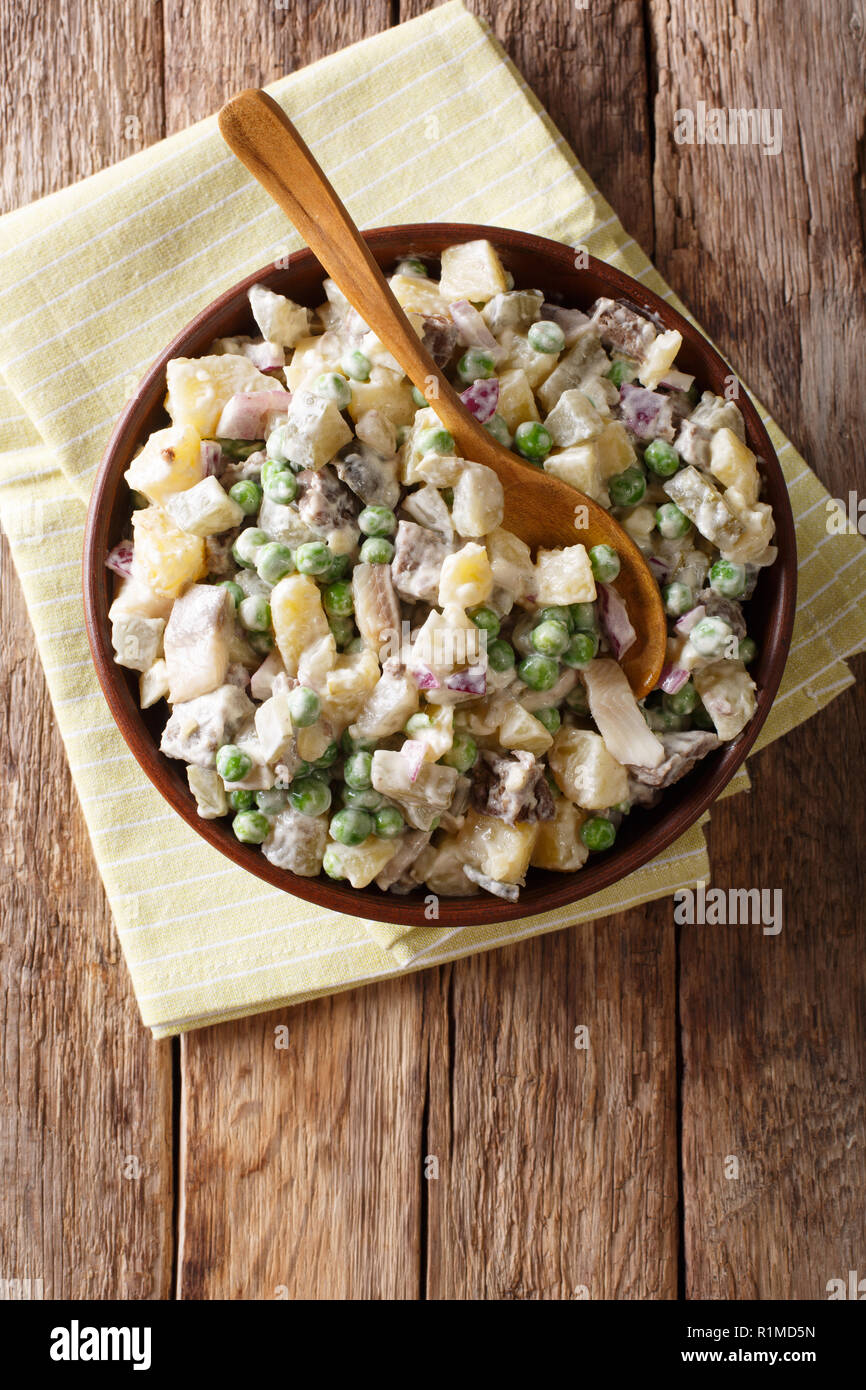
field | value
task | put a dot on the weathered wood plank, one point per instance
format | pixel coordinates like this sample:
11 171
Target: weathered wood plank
85 1112
769 252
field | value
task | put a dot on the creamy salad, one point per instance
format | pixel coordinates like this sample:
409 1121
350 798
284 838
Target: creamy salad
359 666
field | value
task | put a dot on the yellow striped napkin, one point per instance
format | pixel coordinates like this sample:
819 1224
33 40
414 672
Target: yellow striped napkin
426 122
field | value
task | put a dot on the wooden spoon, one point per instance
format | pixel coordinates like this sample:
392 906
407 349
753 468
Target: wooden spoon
541 509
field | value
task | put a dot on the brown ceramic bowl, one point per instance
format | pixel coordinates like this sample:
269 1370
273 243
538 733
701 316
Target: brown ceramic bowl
537 262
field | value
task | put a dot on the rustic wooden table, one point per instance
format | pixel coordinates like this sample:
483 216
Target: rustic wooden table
220 1167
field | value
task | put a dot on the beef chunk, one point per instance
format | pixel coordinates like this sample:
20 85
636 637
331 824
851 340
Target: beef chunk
682 751
717 606
218 552
370 477
417 563
693 444
439 337
512 788
197 728
409 846
622 328
324 502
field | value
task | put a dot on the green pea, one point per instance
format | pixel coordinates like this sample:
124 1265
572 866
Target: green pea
241 800
583 617
273 561
313 557
358 771
255 614
475 365
538 672
342 630
486 619
338 568
276 446
581 649
388 823
272 801
419 398
598 833
576 700
436 441
310 796
709 635
662 458
412 266
377 521
247 544
678 598
304 706
328 758
366 800
605 563
671 522
261 642
357 365
546 336
417 724
269 468
533 441
551 639
232 763
500 655
332 864
626 489
234 589
621 372
747 650
561 615
550 718
251 827
351 826
728 578
248 496
682 701
348 744
497 426
281 487
376 550
338 601
463 753
335 388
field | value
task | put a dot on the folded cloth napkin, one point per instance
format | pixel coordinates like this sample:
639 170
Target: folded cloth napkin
428 121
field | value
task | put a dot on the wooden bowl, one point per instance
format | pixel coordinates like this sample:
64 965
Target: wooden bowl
538 263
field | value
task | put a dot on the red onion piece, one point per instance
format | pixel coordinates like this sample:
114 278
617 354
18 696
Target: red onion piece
244 416
424 677
211 458
119 559
471 328
646 413
615 622
268 357
413 751
660 569
482 398
471 681
687 621
672 679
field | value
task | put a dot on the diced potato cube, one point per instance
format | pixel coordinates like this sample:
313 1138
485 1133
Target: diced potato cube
511 563
704 505
209 792
417 294
444 874
479 501
728 693
393 700
349 686
316 661
440 470
432 788
361 863
170 462
199 388
521 355
584 362
471 270
262 682
280 320
574 419
564 576
734 464
313 740
135 597
639 523
205 509
298 617
614 449
585 771
413 450
520 729
579 467
165 559
559 845
376 428
500 851
387 392
315 430
660 358
153 684
311 356
516 400
438 738
197 641
274 727
758 528
137 641
467 578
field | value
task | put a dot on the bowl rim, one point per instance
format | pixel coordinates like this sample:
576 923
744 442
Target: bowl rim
603 872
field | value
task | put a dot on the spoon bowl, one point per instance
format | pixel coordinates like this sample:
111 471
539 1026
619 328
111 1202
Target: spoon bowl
540 509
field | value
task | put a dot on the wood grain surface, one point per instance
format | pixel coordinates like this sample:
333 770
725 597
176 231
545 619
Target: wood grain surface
442 1136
